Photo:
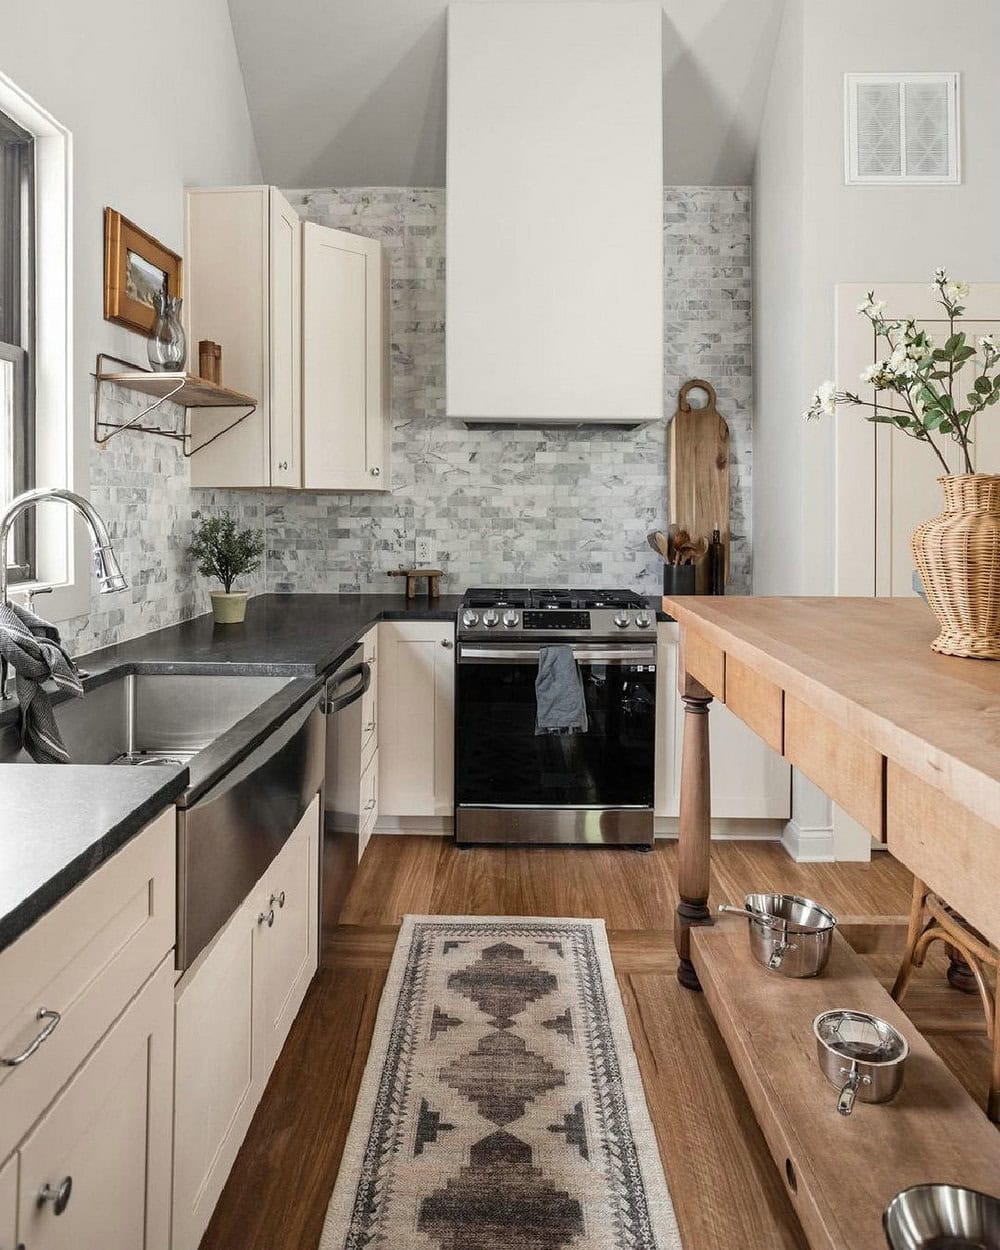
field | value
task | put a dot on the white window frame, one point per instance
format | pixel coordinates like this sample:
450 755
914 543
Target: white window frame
851 175
61 446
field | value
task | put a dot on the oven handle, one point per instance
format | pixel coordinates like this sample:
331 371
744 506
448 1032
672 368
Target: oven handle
583 655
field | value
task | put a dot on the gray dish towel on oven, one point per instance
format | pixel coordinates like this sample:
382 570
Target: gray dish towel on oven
561 706
34 650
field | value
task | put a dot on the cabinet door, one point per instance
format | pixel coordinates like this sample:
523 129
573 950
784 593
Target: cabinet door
217 1082
369 804
104 1144
749 780
343 360
285 295
8 1204
286 949
416 718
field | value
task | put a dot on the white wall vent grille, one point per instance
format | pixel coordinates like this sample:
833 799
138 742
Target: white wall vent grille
901 128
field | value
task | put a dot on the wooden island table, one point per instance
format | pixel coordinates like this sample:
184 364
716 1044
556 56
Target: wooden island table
908 743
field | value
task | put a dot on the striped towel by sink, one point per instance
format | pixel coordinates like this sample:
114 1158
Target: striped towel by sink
34 650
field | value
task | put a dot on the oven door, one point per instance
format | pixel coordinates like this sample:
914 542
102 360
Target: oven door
502 763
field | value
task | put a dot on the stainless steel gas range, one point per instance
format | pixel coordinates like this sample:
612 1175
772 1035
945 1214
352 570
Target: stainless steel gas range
513 785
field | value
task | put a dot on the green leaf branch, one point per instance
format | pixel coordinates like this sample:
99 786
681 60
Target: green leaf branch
224 552
925 377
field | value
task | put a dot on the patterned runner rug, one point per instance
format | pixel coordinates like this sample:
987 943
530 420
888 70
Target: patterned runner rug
501 1106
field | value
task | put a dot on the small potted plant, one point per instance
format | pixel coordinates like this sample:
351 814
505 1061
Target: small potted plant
224 552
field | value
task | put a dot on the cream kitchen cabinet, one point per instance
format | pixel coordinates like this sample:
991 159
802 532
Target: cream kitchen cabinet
8 1204
95 1170
86 1025
345 381
749 780
244 274
416 718
302 314
235 1006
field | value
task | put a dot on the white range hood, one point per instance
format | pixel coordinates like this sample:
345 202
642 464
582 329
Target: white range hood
554 212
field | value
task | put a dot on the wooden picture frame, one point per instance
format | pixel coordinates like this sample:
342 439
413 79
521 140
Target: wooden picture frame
132 261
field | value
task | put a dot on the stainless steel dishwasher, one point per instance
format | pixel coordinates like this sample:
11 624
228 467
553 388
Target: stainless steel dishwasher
341 814
227 838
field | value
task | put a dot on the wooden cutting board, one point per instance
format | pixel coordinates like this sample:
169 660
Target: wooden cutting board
698 490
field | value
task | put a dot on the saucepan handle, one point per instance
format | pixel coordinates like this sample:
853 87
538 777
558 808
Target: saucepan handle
778 954
849 1089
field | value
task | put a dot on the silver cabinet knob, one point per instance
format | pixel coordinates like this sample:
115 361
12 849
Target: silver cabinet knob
58 1195
375 470
282 464
447 643
266 917
370 727
277 898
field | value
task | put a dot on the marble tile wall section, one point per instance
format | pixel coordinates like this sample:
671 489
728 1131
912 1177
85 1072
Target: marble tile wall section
503 506
498 505
141 485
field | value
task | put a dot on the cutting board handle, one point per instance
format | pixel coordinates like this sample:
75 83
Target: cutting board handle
696 384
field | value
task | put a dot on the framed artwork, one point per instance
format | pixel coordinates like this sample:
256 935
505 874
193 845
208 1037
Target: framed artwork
136 267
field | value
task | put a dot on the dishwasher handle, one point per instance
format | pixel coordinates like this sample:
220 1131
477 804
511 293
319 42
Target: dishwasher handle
333 702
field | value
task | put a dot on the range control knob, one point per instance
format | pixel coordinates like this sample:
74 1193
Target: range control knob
469 619
621 620
642 620
490 619
510 619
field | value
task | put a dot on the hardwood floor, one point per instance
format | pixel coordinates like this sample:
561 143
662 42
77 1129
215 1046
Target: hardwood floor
727 1193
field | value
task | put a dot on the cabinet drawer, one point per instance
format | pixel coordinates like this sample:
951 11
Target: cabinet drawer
756 701
369 646
946 845
845 768
8 1204
705 662
85 960
369 796
107 1139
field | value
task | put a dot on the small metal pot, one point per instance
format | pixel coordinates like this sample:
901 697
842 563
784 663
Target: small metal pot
929 1217
862 1055
788 934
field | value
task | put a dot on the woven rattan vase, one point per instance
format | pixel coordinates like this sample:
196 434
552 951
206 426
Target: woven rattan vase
958 559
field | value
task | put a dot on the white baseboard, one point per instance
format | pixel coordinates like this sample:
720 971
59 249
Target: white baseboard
808 845
431 826
725 829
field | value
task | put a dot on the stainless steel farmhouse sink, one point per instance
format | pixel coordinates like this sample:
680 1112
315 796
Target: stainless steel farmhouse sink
150 718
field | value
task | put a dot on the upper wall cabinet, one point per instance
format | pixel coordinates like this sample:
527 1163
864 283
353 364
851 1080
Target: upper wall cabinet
555 212
302 315
345 384
244 291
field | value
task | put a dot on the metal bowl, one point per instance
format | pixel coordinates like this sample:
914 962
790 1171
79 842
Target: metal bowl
861 1054
790 934
942 1217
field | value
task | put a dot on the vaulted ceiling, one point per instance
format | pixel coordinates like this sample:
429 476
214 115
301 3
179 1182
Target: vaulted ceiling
352 92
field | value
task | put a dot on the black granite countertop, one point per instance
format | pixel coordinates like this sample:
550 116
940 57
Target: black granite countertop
61 822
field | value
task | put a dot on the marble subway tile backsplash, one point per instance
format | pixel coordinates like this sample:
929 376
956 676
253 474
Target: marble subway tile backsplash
498 505
501 505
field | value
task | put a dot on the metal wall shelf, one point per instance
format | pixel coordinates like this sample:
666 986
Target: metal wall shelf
185 389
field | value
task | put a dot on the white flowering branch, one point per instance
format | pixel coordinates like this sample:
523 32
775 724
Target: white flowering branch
923 375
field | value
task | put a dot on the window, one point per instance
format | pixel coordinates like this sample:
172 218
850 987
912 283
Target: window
901 128
17 334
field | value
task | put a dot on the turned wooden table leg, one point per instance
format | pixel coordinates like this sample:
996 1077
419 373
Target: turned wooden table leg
694 845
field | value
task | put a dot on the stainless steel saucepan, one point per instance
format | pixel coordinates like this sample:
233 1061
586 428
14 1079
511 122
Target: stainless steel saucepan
788 934
942 1217
862 1055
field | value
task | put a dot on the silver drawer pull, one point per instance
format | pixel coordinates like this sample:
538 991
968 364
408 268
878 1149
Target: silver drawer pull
369 728
277 898
59 1195
53 1018
369 805
266 917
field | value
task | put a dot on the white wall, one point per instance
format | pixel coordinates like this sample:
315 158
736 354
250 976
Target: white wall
850 234
154 99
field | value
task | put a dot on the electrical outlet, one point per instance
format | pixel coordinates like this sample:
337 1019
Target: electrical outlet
424 551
